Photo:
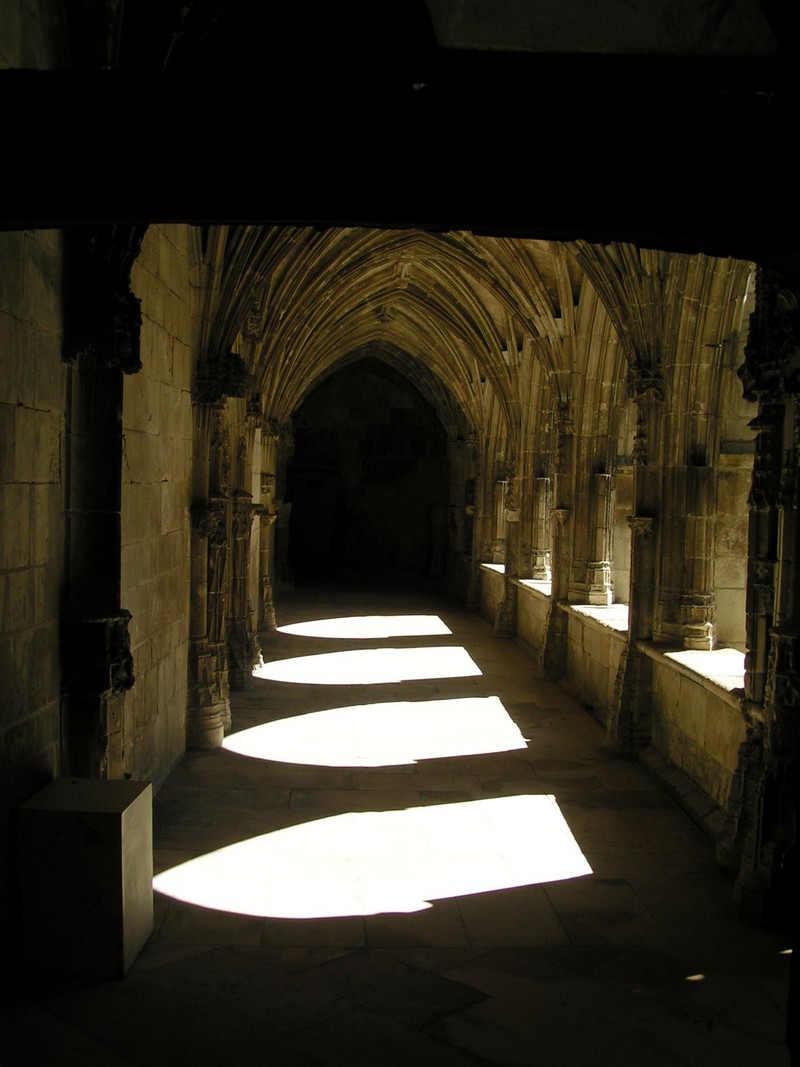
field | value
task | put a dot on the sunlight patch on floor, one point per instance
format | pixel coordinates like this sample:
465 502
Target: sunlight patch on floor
371 666
368 863
366 626
383 735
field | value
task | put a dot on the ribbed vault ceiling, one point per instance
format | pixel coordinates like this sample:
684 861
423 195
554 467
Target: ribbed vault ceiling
462 316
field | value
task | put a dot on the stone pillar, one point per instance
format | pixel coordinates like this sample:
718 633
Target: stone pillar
266 603
598 569
497 551
553 660
218 376
505 624
628 727
759 835
243 651
697 602
540 554
204 713
554 649
102 324
629 724
283 510
686 609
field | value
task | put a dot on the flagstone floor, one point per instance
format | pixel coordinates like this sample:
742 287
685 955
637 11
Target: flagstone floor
380 880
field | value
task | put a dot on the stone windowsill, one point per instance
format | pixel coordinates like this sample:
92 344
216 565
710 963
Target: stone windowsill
612 616
543 588
721 669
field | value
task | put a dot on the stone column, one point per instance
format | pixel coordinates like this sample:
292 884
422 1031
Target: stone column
497 551
218 592
553 660
267 619
554 649
685 614
629 724
696 601
206 712
540 555
628 727
102 324
759 835
243 651
219 375
283 445
505 623
598 569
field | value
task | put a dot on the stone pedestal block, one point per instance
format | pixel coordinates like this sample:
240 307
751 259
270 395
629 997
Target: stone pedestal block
85 849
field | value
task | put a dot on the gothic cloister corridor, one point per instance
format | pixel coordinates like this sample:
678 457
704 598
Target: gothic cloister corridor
641 961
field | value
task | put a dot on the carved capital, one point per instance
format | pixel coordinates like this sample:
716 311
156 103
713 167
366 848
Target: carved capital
209 521
219 375
641 525
102 317
561 515
645 384
254 413
243 513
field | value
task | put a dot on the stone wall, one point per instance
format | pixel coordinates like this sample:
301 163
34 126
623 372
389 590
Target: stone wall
533 609
593 656
32 384
697 726
156 471
492 590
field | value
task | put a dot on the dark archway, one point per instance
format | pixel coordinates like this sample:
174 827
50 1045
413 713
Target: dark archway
368 481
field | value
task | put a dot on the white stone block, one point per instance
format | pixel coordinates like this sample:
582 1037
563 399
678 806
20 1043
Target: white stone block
85 850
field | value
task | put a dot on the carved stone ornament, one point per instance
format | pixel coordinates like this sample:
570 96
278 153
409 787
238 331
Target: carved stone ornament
561 516
772 354
254 412
640 453
645 384
219 375
102 316
271 428
209 522
267 482
641 525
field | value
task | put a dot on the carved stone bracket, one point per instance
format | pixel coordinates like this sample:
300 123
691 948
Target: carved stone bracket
209 521
772 354
102 648
103 317
561 515
645 385
641 525
255 415
220 374
271 428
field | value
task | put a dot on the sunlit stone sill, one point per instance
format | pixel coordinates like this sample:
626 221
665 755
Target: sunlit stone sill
544 588
498 568
719 669
614 616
